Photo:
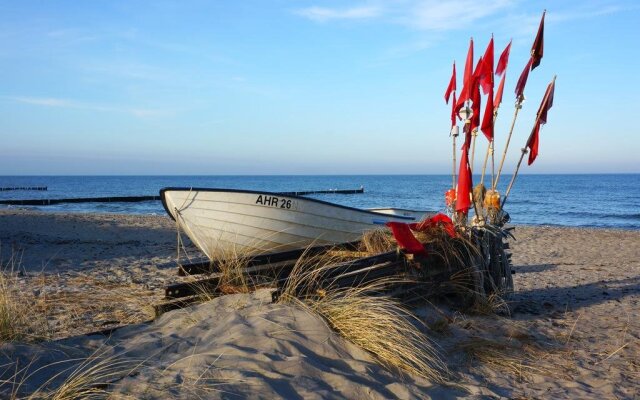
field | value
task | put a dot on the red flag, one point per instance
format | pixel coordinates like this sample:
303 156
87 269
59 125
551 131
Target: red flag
475 95
487 120
522 81
405 238
468 66
465 93
437 220
452 85
536 55
475 107
545 106
486 74
454 114
544 109
504 60
537 49
498 98
465 184
532 143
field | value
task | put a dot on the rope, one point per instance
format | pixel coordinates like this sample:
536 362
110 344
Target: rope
180 243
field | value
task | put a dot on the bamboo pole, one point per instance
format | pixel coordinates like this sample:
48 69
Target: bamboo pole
506 146
454 134
490 148
474 135
484 165
513 178
493 165
524 149
453 182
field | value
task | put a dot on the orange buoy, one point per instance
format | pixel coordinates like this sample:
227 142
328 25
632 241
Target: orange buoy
450 197
492 200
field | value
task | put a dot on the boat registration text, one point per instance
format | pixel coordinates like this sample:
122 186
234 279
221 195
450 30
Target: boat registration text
277 202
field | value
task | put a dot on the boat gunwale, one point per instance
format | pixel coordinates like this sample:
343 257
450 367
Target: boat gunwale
191 189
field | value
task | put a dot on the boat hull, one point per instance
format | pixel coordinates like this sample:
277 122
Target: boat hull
224 222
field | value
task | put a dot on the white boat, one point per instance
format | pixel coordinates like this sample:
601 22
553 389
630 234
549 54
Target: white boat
224 222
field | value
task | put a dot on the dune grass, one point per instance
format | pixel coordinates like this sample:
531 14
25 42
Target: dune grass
21 317
75 378
367 318
503 355
377 241
232 265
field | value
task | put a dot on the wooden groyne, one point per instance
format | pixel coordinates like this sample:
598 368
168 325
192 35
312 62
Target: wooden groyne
4 189
330 191
135 199
48 202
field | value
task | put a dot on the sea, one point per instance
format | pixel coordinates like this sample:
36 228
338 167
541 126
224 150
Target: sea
590 200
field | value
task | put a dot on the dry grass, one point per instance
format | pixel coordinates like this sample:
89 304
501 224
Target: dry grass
232 265
506 356
491 305
21 317
34 308
87 378
374 322
377 241
83 304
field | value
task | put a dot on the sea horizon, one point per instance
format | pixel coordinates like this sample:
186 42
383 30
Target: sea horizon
578 200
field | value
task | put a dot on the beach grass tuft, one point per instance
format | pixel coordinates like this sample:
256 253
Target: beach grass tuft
73 378
503 355
232 265
368 318
377 241
21 317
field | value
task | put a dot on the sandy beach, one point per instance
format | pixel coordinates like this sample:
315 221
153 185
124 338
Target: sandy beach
572 331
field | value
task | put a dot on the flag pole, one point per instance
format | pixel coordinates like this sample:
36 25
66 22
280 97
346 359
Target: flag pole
486 158
506 145
524 149
474 135
454 134
490 150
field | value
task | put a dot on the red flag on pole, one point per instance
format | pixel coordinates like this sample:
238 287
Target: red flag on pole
465 93
463 197
405 238
522 81
438 220
487 120
475 107
486 76
452 85
536 55
498 98
504 60
545 106
475 94
468 65
454 113
537 49
532 143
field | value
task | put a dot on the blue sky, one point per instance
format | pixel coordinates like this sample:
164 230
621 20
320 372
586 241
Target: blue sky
302 87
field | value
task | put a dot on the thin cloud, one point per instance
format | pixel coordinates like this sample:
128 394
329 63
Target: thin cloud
448 15
42 101
65 103
433 15
323 14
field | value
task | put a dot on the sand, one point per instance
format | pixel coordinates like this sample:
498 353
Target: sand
572 332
